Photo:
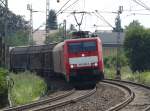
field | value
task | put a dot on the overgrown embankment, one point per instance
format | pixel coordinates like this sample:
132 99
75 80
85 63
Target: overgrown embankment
126 72
3 87
27 87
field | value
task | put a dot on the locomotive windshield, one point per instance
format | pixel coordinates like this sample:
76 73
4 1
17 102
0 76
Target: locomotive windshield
82 46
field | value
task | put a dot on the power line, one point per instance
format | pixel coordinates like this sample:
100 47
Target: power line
39 27
62 7
139 14
135 10
141 4
102 18
68 7
106 12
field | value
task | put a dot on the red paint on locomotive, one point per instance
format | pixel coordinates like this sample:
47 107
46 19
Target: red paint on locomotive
79 57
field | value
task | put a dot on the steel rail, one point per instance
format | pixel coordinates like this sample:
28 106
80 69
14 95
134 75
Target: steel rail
40 102
137 84
147 109
142 85
65 102
126 101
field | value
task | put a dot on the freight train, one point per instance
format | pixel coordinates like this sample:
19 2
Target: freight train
76 59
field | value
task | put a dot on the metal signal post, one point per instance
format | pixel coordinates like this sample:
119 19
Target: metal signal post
118 29
47 14
30 40
3 36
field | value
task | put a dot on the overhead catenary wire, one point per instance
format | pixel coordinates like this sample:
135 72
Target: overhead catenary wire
135 10
68 7
140 14
63 7
102 18
141 4
39 27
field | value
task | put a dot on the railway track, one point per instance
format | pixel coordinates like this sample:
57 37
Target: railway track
141 101
102 98
129 97
52 103
40 102
136 98
76 96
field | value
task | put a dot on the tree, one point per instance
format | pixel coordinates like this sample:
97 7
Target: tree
19 38
52 20
136 44
56 36
16 24
72 28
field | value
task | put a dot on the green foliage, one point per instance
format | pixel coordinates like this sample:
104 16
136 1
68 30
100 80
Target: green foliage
126 74
110 61
72 28
17 28
27 87
142 78
56 36
20 38
110 73
52 20
136 44
15 22
3 87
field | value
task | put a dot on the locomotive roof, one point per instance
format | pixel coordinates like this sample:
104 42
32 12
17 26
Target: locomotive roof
82 39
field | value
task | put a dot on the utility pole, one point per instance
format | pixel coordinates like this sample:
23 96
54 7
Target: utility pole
47 14
30 40
29 7
118 29
64 29
3 36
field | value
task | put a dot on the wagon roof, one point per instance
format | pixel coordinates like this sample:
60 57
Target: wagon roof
32 49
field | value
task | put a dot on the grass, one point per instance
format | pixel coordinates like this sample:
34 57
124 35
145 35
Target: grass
27 87
126 74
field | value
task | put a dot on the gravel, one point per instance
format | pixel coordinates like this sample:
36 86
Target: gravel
105 97
56 86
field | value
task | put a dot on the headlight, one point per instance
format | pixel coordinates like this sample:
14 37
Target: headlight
71 66
95 64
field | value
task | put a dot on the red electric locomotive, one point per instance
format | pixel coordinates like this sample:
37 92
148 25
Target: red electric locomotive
79 59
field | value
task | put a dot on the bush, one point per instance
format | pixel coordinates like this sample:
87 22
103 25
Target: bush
142 78
110 61
126 74
137 47
27 87
3 87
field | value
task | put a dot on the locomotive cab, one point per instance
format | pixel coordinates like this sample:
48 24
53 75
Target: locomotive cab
85 59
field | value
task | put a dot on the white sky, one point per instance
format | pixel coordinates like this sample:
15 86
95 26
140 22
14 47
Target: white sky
20 7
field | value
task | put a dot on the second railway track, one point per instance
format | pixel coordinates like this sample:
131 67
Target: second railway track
141 100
